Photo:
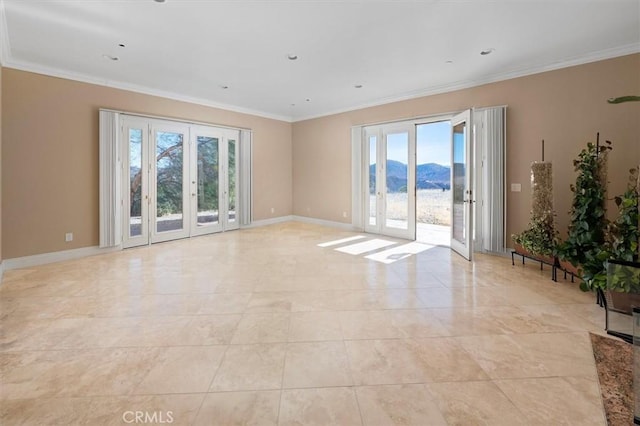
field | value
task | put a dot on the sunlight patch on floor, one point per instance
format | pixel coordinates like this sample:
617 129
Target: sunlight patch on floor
401 252
344 240
365 246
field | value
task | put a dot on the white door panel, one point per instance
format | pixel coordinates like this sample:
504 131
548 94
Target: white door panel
206 185
389 155
135 198
461 184
169 181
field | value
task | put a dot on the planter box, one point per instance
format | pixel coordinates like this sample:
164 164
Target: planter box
621 296
622 302
523 252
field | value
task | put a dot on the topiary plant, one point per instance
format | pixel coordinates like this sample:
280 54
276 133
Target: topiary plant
623 232
586 239
540 237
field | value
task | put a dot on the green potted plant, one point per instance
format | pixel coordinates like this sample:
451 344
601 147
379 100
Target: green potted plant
584 244
623 232
622 245
539 239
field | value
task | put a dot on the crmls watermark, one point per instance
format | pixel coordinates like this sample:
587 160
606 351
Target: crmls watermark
142 417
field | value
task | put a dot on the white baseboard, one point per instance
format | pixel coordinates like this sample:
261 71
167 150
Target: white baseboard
270 221
329 223
57 256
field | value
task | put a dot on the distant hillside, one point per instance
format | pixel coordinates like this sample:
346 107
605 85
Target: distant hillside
434 172
429 176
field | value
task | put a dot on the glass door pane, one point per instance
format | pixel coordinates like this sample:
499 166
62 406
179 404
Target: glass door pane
389 180
373 192
461 197
169 181
135 182
170 176
397 180
208 181
232 183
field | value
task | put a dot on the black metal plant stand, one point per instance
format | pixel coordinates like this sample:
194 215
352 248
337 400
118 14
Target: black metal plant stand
555 266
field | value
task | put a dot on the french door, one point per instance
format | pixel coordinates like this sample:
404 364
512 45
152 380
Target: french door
168 181
390 194
179 180
461 177
214 179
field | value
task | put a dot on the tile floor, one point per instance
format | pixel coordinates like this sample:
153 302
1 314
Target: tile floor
264 326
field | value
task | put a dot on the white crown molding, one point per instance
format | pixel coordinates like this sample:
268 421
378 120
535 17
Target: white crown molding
601 55
7 61
84 78
5 47
56 256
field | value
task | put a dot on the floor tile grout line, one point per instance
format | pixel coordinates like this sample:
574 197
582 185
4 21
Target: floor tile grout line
212 380
284 367
352 377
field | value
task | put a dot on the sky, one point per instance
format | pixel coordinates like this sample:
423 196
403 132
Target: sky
433 144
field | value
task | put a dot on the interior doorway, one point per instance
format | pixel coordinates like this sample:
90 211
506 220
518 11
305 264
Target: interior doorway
433 183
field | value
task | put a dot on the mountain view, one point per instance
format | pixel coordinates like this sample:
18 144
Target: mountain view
428 176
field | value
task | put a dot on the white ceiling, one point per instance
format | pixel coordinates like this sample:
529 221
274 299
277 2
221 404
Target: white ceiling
188 49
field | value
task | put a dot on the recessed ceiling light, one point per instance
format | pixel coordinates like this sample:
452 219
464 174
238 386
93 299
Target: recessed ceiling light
159 1
121 45
448 62
224 86
358 86
113 58
292 56
308 100
293 105
486 52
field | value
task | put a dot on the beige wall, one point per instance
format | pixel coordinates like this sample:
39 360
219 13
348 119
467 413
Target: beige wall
565 107
1 167
50 158
49 146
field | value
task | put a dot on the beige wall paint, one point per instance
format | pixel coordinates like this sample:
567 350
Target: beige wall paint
565 107
1 167
50 158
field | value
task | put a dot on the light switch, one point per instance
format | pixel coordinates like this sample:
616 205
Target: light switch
516 187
